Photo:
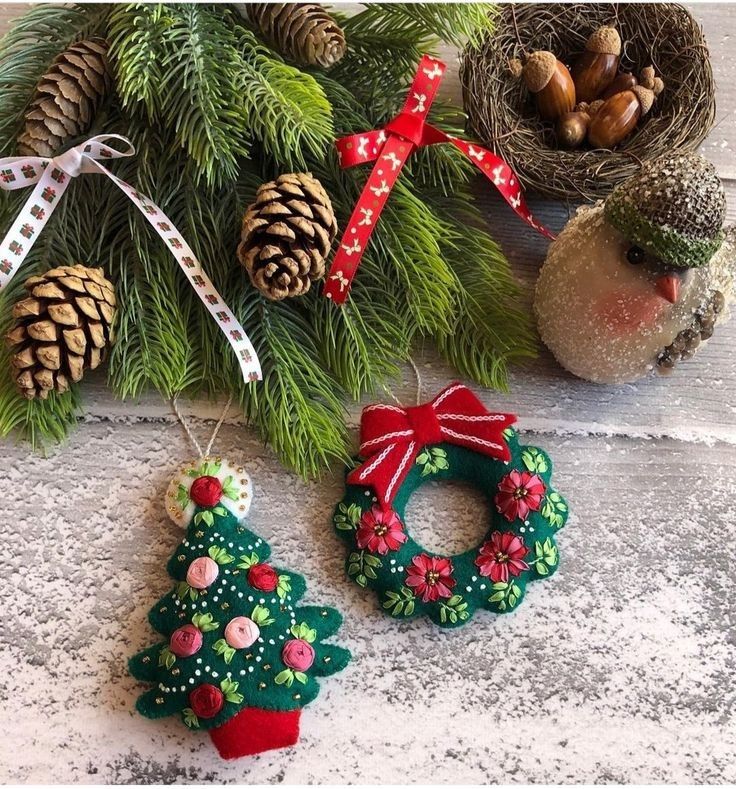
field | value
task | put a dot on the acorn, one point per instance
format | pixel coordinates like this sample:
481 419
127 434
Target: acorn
623 81
618 116
572 127
550 82
596 68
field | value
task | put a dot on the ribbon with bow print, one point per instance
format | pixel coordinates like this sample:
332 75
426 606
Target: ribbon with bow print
53 176
390 148
391 437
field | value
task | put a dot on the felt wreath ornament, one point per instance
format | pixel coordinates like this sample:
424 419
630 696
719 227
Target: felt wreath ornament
453 437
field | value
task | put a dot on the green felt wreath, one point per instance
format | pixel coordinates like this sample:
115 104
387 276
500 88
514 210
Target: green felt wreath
519 546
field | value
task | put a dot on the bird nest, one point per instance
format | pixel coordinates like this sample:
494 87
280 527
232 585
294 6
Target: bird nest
502 113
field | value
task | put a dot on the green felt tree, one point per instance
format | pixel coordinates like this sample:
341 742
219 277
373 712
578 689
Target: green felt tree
214 112
239 657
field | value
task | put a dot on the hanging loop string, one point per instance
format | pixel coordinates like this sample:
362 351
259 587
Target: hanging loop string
190 435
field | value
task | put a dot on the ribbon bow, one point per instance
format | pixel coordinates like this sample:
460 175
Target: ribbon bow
53 176
391 437
390 147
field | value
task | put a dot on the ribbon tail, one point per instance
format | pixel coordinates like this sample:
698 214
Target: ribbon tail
229 325
30 222
385 471
503 178
364 217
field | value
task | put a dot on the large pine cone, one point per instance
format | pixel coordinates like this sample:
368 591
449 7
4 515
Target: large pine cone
62 327
303 32
287 234
67 98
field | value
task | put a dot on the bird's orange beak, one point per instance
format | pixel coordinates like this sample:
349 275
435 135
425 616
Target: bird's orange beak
668 287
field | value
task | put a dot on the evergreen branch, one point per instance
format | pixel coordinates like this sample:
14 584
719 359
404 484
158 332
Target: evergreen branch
286 109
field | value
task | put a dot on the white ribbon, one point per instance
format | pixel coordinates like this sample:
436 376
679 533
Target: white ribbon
52 177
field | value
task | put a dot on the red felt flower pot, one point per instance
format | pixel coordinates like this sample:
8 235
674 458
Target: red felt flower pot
254 730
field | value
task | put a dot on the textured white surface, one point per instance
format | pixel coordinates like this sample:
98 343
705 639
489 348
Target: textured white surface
619 668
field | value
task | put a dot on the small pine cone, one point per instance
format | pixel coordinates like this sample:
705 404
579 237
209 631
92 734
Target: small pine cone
287 234
302 32
62 327
67 98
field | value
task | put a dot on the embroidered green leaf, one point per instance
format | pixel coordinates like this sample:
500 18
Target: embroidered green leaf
553 509
363 566
190 718
182 496
401 603
546 556
229 488
223 648
304 631
229 689
496 596
433 460
204 516
347 516
509 433
500 585
261 616
286 677
283 587
219 511
205 622
246 562
220 555
210 468
506 595
534 460
454 609
300 676
166 658
182 590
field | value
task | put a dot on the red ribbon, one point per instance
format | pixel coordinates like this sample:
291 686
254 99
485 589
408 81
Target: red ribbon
390 147
391 437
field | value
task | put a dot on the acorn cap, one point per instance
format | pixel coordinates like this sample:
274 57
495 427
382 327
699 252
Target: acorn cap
645 96
538 70
605 41
673 208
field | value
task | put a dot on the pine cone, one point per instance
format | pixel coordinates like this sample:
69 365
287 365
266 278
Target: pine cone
287 234
63 327
303 32
67 98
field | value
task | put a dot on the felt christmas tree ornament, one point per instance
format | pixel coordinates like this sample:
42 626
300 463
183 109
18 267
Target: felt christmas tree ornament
451 438
639 282
238 656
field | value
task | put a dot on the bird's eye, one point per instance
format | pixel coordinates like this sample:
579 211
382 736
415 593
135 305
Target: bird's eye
635 255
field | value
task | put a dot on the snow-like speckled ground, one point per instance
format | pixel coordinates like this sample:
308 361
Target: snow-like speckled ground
619 668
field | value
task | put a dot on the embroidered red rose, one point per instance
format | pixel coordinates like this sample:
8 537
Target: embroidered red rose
206 701
298 654
186 641
519 493
380 531
430 577
502 556
263 577
206 491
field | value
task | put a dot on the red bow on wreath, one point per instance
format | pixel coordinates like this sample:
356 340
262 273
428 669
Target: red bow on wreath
391 437
390 147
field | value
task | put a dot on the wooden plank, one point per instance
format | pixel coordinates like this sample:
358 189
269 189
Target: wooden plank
616 669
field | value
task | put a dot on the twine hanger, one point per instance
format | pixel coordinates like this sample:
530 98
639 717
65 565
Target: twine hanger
192 438
387 389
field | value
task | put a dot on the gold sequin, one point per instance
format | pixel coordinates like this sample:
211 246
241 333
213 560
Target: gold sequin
175 672
266 666
261 685
297 696
159 700
146 659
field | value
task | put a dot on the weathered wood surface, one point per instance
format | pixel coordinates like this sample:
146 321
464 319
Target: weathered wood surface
617 669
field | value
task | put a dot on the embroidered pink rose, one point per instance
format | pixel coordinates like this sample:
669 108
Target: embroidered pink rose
380 531
430 577
202 572
519 493
241 632
206 491
298 654
186 641
502 556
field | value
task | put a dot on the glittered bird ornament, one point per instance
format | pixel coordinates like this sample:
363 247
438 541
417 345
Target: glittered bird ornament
638 282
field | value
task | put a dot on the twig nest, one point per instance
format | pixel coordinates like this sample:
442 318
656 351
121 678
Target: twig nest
662 33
